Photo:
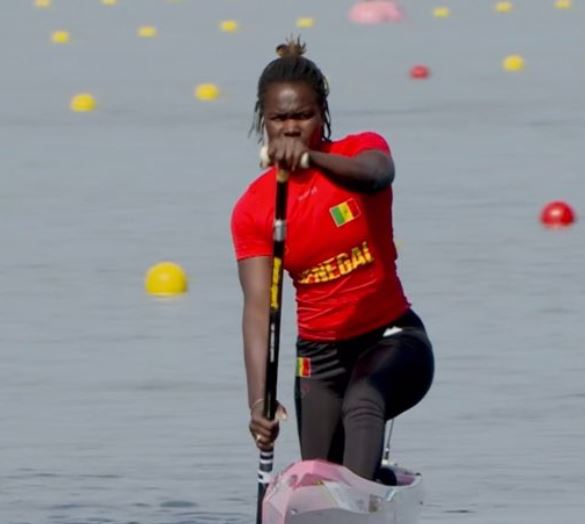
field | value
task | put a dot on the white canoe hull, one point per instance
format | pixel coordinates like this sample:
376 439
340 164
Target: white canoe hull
318 492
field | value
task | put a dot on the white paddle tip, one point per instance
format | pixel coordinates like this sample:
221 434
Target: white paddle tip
264 158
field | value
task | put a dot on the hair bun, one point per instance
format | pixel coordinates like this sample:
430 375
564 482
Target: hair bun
292 48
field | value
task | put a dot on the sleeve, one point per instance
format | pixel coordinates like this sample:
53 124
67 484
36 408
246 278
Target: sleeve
250 238
366 141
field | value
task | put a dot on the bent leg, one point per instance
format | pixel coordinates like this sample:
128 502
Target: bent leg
389 378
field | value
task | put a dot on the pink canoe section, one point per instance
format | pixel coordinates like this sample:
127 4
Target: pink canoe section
312 472
317 486
376 12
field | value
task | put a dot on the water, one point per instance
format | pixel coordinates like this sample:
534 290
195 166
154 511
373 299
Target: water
119 408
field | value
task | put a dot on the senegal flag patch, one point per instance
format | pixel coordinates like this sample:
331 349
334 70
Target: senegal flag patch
303 367
345 212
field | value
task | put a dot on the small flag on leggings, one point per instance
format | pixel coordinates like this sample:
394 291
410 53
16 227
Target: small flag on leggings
303 367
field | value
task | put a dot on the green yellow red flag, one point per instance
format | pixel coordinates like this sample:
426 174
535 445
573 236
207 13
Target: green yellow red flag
303 367
344 212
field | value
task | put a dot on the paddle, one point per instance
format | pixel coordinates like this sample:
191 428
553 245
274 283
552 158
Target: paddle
279 231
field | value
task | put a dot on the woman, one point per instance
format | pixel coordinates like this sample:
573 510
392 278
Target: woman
363 354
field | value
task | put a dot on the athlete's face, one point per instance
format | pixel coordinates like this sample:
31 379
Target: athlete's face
291 110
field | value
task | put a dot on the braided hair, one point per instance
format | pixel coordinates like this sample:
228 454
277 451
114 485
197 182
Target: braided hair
292 66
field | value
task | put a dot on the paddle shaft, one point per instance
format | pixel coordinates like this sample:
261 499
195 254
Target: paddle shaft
270 405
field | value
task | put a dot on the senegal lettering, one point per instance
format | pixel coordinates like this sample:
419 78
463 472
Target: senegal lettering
337 266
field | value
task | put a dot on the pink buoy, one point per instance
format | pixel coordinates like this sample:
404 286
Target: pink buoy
420 72
375 12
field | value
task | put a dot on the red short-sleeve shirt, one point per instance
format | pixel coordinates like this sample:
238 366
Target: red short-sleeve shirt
339 249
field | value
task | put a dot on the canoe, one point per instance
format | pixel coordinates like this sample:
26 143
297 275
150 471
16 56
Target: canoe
318 492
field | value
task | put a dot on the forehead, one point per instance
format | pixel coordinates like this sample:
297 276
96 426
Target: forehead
284 96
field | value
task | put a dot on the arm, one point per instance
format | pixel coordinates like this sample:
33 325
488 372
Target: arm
254 276
367 172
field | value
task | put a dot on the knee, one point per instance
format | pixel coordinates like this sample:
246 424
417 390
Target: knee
363 401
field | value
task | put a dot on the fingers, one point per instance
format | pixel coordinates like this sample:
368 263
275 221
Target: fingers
291 152
264 431
287 153
278 153
263 443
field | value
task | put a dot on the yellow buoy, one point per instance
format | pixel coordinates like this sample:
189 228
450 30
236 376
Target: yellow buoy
513 63
82 103
441 12
305 22
207 92
60 37
147 31
109 2
43 3
503 7
166 279
228 26
563 4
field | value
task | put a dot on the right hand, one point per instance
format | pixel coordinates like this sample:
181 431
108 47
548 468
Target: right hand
264 431
289 153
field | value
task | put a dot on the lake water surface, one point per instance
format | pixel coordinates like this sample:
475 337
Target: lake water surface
116 407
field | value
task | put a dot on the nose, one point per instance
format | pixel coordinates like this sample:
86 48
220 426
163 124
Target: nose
291 128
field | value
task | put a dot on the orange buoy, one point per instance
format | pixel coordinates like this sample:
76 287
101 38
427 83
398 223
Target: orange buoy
557 214
420 72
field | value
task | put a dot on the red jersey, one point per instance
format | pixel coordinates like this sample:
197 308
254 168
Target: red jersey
339 247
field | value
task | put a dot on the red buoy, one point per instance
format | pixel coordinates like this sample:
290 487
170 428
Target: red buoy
419 72
557 214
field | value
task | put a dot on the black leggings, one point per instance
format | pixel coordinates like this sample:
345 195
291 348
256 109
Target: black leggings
346 391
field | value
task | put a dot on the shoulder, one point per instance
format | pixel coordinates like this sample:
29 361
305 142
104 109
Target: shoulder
251 218
358 142
257 191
